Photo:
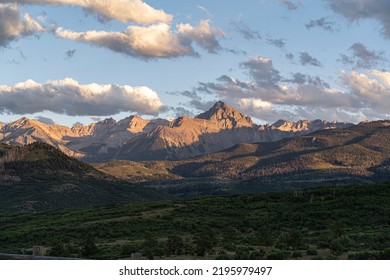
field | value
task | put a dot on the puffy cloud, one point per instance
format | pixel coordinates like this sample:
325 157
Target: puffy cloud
354 10
373 92
69 97
383 75
253 104
204 35
323 23
154 41
138 41
362 57
122 10
306 58
12 25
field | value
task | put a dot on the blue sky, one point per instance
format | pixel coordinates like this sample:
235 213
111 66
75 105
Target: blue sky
279 59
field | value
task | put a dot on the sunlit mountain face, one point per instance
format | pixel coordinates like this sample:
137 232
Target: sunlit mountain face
135 138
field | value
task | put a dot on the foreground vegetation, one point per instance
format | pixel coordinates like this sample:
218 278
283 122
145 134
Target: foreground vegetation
321 223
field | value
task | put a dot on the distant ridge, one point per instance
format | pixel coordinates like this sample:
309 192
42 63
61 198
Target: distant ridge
134 138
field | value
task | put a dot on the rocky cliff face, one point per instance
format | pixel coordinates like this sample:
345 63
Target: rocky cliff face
135 138
224 116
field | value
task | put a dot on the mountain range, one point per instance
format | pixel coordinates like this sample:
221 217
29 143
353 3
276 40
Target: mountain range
360 152
38 176
137 139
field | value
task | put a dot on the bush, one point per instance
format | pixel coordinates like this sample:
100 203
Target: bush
385 254
174 245
89 248
278 255
340 245
311 251
59 249
296 255
363 256
243 254
129 249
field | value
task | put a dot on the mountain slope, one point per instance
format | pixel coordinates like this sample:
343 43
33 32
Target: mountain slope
25 131
361 151
39 177
358 150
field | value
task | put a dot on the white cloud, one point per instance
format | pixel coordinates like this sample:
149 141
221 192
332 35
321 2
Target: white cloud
203 34
69 97
154 41
254 104
373 93
122 10
385 76
13 26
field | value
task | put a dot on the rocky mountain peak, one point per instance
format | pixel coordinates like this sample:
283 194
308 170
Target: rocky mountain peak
136 124
23 122
107 121
226 116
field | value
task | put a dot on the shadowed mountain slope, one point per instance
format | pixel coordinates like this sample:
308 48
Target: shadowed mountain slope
39 177
359 151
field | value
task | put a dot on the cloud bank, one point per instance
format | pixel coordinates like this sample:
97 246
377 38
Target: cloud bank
69 97
122 10
269 96
13 26
154 41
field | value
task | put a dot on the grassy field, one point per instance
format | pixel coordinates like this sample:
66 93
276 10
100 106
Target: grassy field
321 223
